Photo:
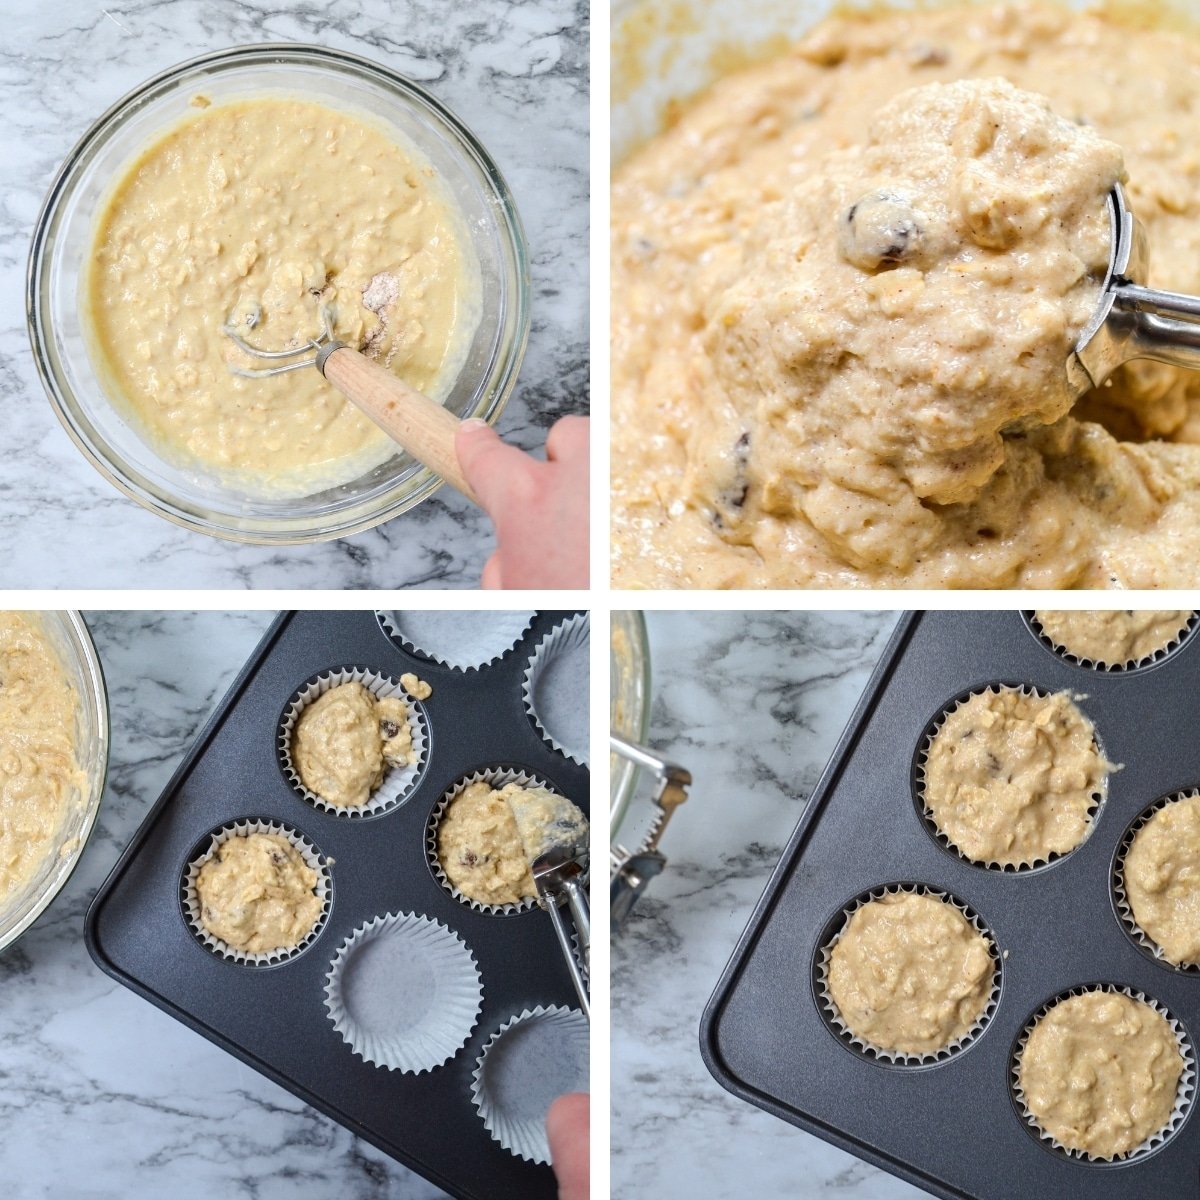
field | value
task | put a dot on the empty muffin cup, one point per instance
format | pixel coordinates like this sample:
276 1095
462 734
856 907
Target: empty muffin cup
1179 1105
555 688
527 1063
274 914
1112 640
956 1042
463 641
398 783
405 992
509 847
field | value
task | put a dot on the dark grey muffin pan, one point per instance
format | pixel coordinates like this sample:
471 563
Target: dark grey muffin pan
273 1017
953 1127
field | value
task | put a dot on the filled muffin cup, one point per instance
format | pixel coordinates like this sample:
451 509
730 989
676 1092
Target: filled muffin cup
460 640
405 992
190 899
1184 1093
555 679
1125 665
496 778
398 783
533 1058
929 819
867 1049
1121 900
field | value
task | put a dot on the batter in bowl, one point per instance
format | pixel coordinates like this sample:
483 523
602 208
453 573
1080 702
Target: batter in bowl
346 739
1161 874
40 776
273 207
910 974
1113 638
256 894
1012 777
845 284
1100 1073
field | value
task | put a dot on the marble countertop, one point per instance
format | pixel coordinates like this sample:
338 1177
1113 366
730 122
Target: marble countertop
791 681
516 73
102 1095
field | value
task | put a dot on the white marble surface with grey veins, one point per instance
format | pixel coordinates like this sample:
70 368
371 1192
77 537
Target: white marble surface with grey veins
752 704
516 71
102 1095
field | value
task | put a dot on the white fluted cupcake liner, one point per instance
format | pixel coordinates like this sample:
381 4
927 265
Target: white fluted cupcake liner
398 782
462 641
496 779
1091 664
833 1016
191 900
528 1062
1121 897
555 688
1184 1094
920 781
405 992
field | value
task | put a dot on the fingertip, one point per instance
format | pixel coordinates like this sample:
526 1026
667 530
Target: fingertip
491 577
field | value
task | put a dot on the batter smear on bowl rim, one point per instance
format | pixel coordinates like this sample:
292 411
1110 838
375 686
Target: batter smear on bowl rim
846 283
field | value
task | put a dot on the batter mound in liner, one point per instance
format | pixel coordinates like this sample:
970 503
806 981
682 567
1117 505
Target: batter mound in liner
1161 874
1113 638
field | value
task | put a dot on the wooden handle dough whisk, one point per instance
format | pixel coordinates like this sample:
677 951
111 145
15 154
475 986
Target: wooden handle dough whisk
410 418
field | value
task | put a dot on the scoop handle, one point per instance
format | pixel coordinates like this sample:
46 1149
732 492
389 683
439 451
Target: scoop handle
420 425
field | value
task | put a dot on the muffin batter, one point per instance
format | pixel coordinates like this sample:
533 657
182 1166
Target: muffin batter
40 776
483 851
1113 638
256 894
1012 778
910 974
276 206
417 688
1162 879
1100 1073
841 318
344 741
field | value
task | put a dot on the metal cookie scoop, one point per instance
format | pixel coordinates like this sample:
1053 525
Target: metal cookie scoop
1133 321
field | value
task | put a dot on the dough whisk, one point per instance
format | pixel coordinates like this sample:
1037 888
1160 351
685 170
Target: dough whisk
1133 321
410 418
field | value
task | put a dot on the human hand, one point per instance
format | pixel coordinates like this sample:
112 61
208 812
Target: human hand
570 1144
539 509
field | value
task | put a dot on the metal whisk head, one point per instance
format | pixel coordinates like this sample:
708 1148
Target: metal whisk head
309 349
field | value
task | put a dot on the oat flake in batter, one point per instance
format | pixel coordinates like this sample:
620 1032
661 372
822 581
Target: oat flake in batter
282 204
845 283
40 776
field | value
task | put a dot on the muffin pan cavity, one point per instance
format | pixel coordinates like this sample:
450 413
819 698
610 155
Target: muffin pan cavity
954 1128
1118 665
463 640
381 1020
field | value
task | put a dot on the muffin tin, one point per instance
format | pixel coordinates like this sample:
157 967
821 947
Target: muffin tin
274 1016
953 1127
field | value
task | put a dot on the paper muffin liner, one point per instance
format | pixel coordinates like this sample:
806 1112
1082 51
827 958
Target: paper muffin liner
869 1050
398 782
405 992
191 900
497 778
463 641
1184 1094
1132 664
527 1063
1121 898
919 783
560 664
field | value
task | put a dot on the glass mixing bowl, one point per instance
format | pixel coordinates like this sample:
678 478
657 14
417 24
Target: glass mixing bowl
69 636
190 495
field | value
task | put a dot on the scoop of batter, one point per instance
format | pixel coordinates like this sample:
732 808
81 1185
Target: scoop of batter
1112 638
256 894
1100 1073
1162 879
1012 777
910 973
344 741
